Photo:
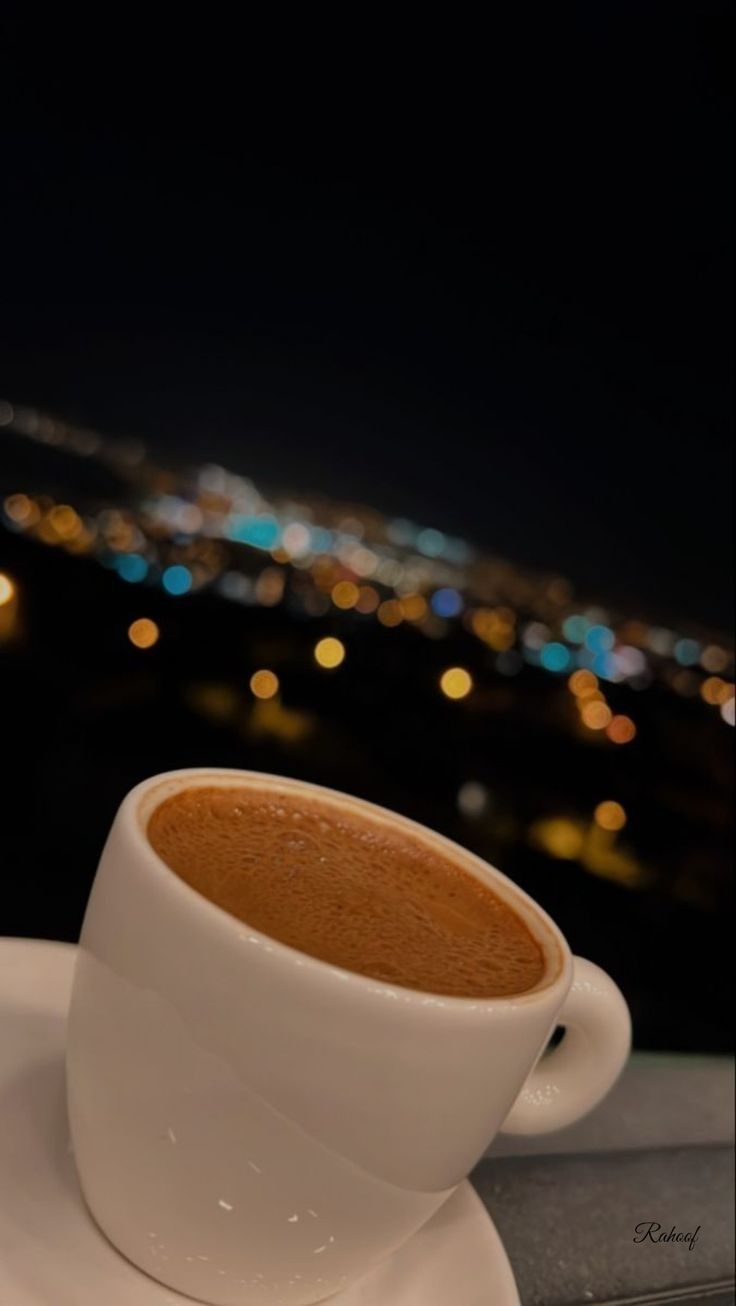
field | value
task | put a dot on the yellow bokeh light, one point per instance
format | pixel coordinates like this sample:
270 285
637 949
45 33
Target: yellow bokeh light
65 521
621 730
610 815
144 633
46 531
558 836
329 653
368 599
495 626
264 684
270 717
217 701
413 607
596 715
389 613
7 589
583 684
345 594
456 682
716 691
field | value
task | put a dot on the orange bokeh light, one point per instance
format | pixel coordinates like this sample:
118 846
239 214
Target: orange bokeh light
596 715
144 633
583 683
621 730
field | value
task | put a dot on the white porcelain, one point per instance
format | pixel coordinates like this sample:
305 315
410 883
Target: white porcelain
52 1252
278 1126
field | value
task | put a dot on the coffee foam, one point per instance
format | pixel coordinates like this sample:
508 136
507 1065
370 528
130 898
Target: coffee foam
348 888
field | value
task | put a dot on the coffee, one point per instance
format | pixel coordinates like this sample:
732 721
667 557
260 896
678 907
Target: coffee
348 888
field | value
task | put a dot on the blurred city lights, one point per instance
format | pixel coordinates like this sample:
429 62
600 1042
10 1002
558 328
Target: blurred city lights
604 665
389 613
7 589
496 627
559 836
472 798
621 730
600 639
297 539
555 657
610 815
596 715
575 628
64 521
192 530
264 684
235 586
329 652
583 683
260 532
219 702
456 682
144 633
363 562
269 588
345 594
21 510
177 580
413 607
535 635
270 717
716 691
368 599
727 711
687 652
131 567
629 661
446 602
431 543
714 658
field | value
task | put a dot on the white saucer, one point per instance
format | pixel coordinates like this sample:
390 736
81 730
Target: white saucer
51 1252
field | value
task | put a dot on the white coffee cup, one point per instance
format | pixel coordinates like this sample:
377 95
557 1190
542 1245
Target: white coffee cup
252 1125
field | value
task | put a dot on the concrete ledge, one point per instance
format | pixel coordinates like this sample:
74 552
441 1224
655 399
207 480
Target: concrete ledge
569 1224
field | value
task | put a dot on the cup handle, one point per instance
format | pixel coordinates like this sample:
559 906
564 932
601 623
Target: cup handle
570 1080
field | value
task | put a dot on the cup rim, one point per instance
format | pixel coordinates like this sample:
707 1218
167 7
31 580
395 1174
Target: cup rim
146 796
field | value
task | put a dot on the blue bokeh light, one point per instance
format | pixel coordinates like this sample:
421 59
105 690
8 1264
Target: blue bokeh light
687 652
132 567
431 543
600 639
446 602
555 657
604 665
177 580
261 532
321 539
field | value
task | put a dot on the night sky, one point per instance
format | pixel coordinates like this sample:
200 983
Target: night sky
487 288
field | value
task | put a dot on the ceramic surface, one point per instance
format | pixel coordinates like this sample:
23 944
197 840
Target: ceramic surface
51 1251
